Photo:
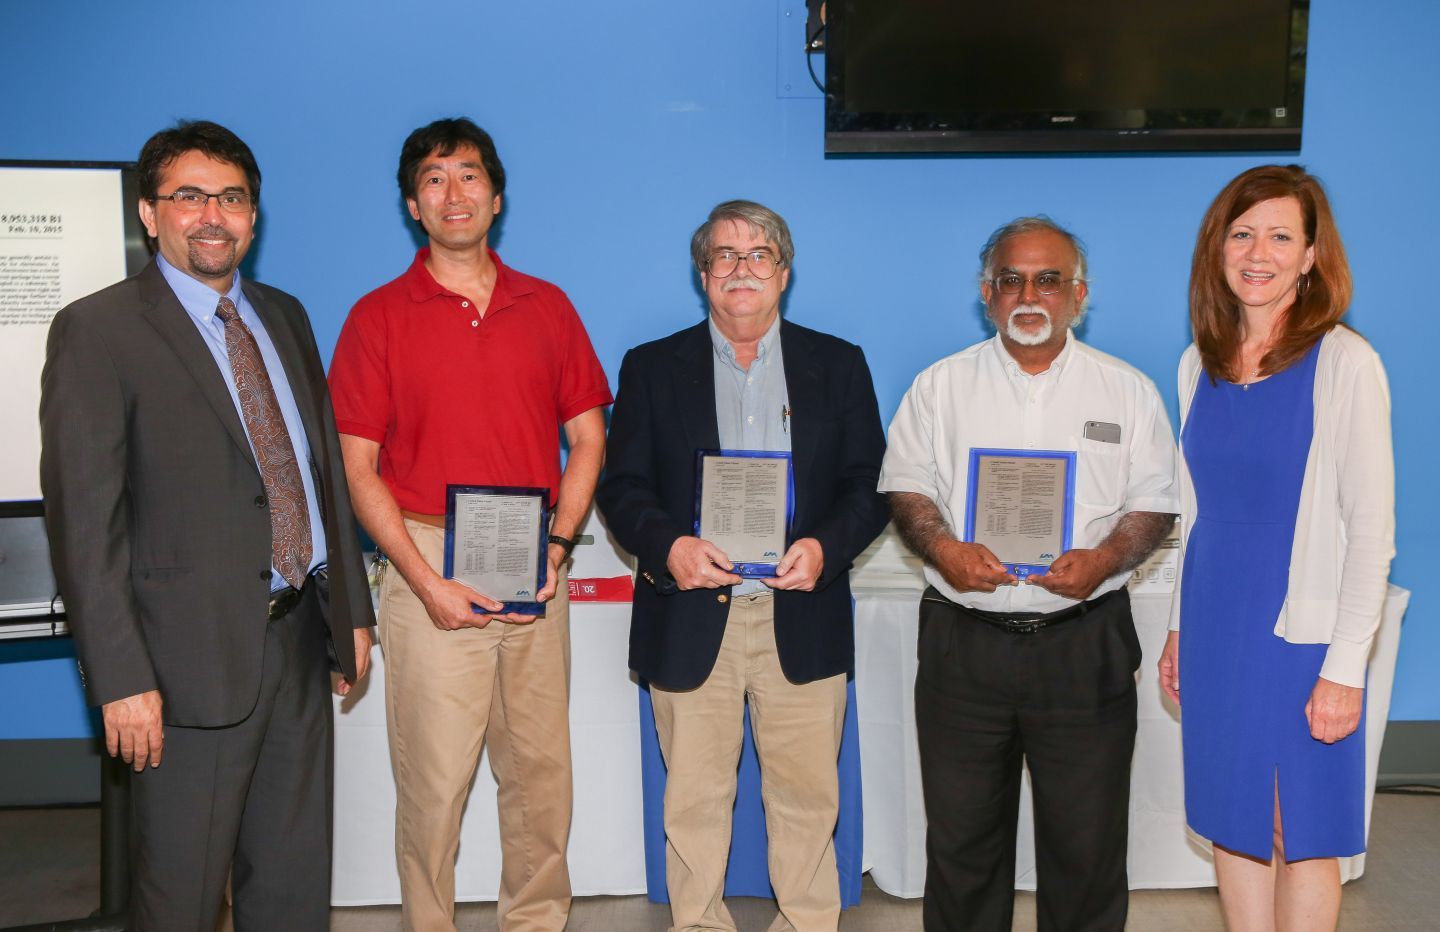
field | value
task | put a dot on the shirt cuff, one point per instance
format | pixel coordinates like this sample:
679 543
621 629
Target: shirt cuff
896 484
1345 663
584 403
1163 506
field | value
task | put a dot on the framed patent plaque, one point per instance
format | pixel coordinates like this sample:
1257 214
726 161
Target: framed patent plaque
495 539
744 503
1021 506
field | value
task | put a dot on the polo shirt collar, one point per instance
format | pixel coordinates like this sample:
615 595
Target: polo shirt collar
508 284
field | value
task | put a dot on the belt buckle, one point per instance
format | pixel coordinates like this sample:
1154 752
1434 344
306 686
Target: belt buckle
1023 625
283 601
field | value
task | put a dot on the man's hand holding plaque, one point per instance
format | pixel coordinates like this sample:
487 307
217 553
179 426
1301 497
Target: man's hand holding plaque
1076 574
452 605
970 567
695 563
801 567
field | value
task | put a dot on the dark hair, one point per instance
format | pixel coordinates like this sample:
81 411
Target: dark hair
1320 301
185 136
443 137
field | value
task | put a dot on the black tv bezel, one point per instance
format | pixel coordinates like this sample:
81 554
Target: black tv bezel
1192 130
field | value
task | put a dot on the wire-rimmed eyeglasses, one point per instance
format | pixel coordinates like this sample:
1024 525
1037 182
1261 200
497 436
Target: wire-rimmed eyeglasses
193 199
761 262
1045 282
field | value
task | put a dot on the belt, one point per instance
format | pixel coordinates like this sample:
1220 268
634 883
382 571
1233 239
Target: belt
432 520
283 601
1025 622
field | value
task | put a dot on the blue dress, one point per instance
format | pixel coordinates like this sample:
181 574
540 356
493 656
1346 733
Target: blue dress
1243 689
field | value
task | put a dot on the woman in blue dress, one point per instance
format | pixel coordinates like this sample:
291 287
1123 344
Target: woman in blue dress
1287 487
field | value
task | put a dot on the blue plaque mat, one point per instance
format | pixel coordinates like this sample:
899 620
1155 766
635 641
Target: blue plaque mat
514 585
1021 505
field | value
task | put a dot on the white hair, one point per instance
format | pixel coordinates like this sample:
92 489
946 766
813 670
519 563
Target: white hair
1021 226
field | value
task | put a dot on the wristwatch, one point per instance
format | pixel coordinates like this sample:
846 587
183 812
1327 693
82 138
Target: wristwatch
565 542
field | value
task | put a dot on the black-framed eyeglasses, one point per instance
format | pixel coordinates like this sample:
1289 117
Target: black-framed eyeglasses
193 200
1045 282
762 264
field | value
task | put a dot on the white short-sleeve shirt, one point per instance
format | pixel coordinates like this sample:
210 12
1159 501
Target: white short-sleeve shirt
980 397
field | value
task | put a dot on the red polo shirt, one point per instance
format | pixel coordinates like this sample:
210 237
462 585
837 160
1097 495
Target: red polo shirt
454 397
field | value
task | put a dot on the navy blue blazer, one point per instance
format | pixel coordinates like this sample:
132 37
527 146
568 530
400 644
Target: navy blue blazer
665 411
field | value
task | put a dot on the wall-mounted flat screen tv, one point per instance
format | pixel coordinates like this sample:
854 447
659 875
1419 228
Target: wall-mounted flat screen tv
1064 76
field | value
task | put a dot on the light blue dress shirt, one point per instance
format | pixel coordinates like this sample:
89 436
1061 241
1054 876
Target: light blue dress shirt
752 406
200 302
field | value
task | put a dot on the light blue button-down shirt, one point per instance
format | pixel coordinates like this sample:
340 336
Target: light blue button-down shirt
752 406
200 302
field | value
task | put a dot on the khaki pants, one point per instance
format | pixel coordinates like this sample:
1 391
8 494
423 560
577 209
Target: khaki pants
797 731
446 692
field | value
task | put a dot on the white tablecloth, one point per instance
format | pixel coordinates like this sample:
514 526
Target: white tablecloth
606 840
1163 852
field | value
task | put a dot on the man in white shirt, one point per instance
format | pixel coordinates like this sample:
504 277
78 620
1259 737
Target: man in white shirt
1039 669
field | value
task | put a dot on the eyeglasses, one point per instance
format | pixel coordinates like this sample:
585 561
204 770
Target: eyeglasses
1045 282
192 200
723 264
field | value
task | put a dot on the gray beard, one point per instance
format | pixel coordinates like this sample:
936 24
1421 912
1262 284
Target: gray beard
1029 337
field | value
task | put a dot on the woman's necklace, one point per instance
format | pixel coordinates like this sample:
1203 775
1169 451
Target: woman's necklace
1250 373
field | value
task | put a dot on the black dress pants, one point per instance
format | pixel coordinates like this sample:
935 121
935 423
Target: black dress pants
250 800
1062 700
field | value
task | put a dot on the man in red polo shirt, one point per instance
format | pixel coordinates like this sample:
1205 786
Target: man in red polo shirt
460 371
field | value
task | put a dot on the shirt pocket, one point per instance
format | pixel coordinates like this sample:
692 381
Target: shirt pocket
1102 474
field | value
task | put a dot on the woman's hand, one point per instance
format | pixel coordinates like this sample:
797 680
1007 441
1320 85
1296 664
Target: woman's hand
1170 667
1333 710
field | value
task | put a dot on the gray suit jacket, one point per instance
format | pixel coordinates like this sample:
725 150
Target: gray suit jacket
157 517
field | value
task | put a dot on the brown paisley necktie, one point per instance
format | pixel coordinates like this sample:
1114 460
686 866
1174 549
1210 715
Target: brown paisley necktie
289 514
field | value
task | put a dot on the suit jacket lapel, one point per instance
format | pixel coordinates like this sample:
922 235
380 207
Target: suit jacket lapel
163 311
804 385
694 380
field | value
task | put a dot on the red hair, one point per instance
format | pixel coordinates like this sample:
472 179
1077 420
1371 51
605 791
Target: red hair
1320 301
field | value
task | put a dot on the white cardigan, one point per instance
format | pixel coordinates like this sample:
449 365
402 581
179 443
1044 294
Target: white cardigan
1345 527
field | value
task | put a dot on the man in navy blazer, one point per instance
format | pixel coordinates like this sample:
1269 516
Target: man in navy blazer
708 641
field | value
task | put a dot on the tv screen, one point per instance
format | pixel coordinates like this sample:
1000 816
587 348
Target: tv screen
1056 75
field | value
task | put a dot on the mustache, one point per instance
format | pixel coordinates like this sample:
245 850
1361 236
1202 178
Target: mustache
1029 309
211 232
735 283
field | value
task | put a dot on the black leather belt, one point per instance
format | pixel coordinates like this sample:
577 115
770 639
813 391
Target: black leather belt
283 601
1025 622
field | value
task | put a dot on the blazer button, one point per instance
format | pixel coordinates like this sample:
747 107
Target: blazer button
259 501
265 575
722 598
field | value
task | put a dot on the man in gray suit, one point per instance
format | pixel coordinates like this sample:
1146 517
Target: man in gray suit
203 540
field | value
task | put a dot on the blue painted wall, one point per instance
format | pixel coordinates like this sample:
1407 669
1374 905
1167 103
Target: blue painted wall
621 124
